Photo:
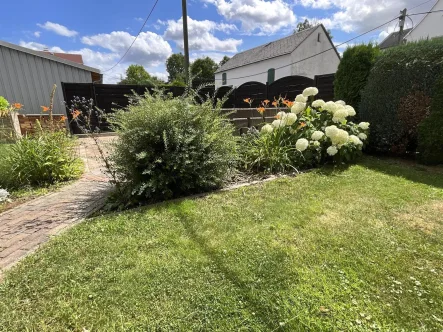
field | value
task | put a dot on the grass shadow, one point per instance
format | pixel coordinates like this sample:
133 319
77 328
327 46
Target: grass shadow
407 169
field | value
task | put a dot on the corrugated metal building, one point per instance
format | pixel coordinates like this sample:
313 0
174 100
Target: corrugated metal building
27 77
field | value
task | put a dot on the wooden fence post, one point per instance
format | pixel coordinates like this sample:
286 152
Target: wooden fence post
15 124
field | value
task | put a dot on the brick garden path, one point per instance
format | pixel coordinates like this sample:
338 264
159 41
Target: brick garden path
25 227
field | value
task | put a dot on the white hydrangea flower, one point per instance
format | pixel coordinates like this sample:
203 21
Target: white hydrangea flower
290 119
281 115
330 106
298 107
340 114
317 135
267 128
351 110
301 99
316 143
318 103
340 138
292 131
312 91
3 195
277 123
362 136
355 140
331 131
301 144
364 125
332 150
340 102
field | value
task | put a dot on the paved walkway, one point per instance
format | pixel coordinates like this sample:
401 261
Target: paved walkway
24 228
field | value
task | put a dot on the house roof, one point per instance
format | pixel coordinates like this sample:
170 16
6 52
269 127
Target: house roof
67 56
392 39
270 50
424 17
48 56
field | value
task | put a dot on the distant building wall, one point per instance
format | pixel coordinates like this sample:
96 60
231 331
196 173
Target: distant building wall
28 79
324 63
258 67
430 27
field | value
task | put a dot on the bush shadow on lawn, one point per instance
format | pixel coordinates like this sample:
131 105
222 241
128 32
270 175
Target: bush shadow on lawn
264 310
432 176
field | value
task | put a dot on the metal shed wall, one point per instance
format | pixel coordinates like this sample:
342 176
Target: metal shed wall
28 79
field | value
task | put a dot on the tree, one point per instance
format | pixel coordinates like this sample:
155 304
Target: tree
307 25
136 74
224 60
175 66
204 69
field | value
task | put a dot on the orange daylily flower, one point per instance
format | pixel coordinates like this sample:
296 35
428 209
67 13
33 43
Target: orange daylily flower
45 108
63 118
261 110
266 102
17 106
288 103
275 103
75 114
247 100
302 124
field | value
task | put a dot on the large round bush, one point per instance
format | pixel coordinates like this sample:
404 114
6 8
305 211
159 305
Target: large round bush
397 97
171 147
353 71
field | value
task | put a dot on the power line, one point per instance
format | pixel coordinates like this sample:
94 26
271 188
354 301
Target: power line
329 49
141 29
430 12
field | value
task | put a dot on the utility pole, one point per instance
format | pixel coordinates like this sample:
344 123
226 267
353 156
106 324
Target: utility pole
185 39
401 24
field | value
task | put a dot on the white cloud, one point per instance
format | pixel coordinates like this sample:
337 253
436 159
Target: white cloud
262 16
149 49
37 34
161 75
359 16
138 19
201 35
40 47
58 29
216 56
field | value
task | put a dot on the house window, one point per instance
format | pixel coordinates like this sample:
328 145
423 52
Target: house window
271 75
318 37
224 79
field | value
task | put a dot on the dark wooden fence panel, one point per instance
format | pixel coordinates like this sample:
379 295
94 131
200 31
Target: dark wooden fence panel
289 87
255 90
325 85
108 97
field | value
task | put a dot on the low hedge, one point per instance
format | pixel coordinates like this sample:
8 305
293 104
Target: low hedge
353 71
430 130
397 97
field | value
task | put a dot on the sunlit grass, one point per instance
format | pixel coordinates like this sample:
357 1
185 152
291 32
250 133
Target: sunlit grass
353 249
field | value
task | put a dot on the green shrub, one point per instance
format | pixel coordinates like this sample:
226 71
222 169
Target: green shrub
430 130
44 159
308 134
3 104
353 71
398 95
171 147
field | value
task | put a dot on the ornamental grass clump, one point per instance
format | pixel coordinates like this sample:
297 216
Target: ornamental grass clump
306 134
171 147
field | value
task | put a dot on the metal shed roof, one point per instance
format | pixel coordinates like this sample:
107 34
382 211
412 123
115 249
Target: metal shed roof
48 56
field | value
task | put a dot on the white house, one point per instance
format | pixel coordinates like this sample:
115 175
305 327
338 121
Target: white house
431 26
292 55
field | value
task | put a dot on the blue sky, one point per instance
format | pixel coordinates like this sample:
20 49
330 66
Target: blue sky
102 33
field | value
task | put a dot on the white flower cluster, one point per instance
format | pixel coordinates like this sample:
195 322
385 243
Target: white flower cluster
3 195
328 128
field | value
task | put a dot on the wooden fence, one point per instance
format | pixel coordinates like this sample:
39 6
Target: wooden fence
111 96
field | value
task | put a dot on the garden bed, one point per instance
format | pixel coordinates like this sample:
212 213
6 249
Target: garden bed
356 248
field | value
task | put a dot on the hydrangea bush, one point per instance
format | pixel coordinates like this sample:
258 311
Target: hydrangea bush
310 133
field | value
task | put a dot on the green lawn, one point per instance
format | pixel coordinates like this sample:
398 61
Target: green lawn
358 249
